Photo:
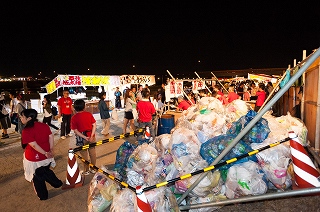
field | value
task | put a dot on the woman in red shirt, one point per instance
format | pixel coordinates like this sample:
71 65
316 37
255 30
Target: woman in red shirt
37 141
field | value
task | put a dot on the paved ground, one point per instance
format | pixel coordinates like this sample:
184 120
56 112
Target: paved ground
17 194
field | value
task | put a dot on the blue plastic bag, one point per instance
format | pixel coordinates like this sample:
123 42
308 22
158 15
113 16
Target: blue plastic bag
285 79
123 154
212 148
257 134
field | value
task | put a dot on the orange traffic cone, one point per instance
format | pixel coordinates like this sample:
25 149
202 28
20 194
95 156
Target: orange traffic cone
142 202
305 173
74 178
147 134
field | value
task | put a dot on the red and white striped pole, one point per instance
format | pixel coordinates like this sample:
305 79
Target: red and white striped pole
142 202
305 173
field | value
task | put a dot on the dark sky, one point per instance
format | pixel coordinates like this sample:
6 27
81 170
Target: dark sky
109 38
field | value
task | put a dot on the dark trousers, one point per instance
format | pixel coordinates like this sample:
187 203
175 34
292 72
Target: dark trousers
42 175
14 120
47 120
65 124
118 103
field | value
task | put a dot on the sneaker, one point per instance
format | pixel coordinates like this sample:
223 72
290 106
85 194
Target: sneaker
85 172
69 135
57 132
63 137
93 171
4 136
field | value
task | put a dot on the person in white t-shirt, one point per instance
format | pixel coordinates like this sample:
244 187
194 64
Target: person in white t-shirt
47 112
13 113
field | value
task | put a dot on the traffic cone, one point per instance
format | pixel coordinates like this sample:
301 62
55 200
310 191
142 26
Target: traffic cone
74 178
305 173
142 202
147 134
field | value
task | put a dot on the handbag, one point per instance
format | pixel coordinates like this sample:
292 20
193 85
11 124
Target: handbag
14 119
4 110
114 115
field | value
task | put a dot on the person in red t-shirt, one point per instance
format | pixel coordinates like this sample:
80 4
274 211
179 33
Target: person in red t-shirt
261 97
220 95
84 126
232 95
183 104
145 111
65 110
37 141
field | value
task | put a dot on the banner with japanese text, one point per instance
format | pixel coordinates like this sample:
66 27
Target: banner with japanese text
97 80
137 79
198 85
174 88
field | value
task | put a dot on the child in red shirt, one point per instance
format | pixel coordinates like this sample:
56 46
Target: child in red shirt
145 111
261 97
84 126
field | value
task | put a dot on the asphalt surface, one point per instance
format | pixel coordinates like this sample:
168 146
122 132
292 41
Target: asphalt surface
17 194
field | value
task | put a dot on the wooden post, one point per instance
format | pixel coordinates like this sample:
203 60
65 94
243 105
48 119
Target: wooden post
303 87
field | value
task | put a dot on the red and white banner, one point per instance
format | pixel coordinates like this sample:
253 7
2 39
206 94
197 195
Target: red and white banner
174 89
198 85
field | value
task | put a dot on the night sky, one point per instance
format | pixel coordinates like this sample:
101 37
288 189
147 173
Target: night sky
110 38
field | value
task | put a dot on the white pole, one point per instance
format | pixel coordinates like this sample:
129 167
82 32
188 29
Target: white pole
219 82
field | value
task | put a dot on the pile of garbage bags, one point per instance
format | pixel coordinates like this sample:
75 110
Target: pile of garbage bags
199 137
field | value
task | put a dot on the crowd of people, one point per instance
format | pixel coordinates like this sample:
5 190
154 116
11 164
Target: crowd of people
245 90
37 137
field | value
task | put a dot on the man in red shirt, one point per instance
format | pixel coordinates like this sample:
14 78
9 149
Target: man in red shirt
183 104
65 110
145 111
232 95
261 97
220 95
